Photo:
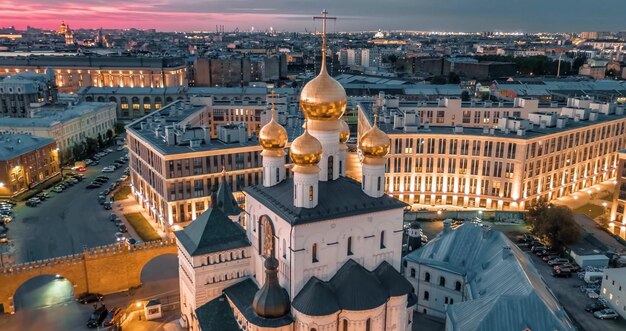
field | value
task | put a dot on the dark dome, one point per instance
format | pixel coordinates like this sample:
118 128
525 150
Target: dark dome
271 301
415 225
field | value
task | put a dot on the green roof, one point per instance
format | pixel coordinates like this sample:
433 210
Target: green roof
211 232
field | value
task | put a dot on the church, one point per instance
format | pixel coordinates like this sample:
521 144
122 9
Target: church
313 251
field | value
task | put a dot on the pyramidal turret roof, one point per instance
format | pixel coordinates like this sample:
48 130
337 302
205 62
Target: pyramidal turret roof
225 199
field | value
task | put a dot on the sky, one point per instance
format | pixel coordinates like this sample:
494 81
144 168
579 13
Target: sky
296 15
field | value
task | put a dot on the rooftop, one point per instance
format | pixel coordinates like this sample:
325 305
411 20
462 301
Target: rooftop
50 115
279 198
13 145
242 295
535 132
217 315
101 62
498 275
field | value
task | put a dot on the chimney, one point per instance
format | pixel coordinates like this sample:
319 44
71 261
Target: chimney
506 252
447 225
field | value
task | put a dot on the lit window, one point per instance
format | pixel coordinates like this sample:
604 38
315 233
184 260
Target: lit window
310 193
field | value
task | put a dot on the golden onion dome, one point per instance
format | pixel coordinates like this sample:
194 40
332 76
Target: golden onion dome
375 143
344 132
273 136
306 150
323 98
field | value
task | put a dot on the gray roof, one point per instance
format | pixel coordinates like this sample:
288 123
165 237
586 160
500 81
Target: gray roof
535 132
493 282
352 288
217 315
279 199
211 232
79 61
242 295
225 199
51 115
14 145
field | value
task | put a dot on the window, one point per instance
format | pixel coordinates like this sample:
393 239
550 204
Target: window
345 325
378 184
284 249
368 325
310 193
382 239
349 251
446 300
427 277
457 286
314 253
412 272
277 175
426 295
442 281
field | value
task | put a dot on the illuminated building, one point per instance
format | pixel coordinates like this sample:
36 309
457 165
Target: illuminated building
177 155
25 162
502 166
21 95
74 72
315 251
617 218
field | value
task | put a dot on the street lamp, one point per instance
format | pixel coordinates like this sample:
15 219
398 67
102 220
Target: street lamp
59 158
138 304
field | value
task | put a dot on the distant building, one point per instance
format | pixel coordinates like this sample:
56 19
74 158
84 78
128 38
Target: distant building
22 94
472 69
472 275
596 72
238 71
25 161
67 125
74 72
613 289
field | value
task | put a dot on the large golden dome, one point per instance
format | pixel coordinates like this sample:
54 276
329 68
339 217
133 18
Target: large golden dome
344 132
306 150
323 98
375 143
273 136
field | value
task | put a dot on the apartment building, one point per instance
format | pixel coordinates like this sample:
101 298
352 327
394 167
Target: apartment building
73 72
501 164
179 153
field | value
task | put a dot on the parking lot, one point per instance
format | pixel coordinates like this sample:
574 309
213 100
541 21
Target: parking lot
66 221
567 291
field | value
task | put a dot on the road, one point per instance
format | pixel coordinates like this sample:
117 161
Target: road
38 310
65 222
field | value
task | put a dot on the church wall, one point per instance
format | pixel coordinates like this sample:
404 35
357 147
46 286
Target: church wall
399 317
320 323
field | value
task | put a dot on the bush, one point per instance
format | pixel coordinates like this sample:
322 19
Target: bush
142 227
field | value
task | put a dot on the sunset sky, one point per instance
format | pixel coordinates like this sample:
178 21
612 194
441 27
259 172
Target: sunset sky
295 15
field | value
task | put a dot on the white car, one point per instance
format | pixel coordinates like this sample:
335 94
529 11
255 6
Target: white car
57 189
108 169
121 148
120 237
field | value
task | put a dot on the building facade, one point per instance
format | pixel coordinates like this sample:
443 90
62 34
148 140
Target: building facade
617 218
73 72
67 125
22 94
25 162
613 289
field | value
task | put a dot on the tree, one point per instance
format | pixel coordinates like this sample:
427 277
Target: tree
100 141
453 78
535 210
438 80
555 224
465 96
119 128
603 221
109 135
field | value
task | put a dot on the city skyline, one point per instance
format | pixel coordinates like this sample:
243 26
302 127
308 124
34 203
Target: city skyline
454 15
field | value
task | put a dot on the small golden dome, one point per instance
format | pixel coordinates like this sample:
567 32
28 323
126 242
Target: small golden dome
344 132
306 150
323 98
375 143
273 136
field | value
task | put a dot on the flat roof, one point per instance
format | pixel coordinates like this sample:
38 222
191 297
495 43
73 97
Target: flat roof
13 145
535 132
92 61
171 114
50 115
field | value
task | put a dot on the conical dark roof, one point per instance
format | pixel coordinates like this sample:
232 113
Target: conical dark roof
316 299
225 199
393 281
271 301
211 232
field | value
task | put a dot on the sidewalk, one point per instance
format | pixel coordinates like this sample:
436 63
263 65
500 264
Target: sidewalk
129 205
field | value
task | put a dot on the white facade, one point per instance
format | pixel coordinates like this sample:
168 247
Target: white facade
614 289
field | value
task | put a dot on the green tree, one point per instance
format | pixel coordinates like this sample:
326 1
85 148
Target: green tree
119 128
438 80
453 78
555 224
100 141
109 136
465 96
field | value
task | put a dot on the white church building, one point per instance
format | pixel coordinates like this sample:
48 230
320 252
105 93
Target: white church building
314 252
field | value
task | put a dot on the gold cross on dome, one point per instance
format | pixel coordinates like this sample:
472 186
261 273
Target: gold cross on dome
324 18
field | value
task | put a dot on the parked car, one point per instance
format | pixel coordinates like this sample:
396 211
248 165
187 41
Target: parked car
93 185
595 306
9 202
122 228
112 217
32 202
558 261
103 177
81 169
94 163
561 273
536 248
113 315
107 205
547 258
57 189
97 317
100 180
118 222
120 237
592 294
108 169
606 314
569 266
88 297
131 241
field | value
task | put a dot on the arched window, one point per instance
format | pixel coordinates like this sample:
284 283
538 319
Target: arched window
427 277
426 295
382 239
340 168
113 99
378 183
231 256
314 253
89 99
442 281
330 167
412 272
158 102
277 175
349 250
100 99
368 325
345 325
457 286
313 329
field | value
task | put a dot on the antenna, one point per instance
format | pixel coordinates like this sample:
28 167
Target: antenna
324 18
